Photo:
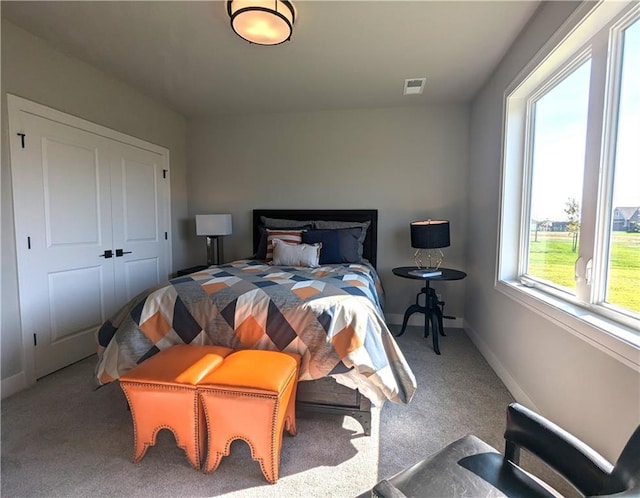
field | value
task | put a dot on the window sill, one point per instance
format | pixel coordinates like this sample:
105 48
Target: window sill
616 340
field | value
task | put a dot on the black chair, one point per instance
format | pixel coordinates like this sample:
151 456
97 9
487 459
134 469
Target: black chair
469 467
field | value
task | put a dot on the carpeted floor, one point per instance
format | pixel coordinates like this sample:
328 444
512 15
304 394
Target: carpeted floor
61 438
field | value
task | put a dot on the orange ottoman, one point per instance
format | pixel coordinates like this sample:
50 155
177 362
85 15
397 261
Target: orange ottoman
251 396
161 392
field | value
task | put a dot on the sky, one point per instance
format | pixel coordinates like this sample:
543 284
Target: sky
627 188
560 130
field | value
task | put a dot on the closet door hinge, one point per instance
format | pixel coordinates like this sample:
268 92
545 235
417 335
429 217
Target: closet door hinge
164 173
21 135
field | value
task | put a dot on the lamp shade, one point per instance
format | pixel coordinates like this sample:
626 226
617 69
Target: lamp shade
430 234
213 224
264 22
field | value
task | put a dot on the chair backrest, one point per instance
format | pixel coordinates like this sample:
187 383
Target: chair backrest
585 468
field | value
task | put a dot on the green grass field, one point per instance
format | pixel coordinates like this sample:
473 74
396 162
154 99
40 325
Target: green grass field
551 258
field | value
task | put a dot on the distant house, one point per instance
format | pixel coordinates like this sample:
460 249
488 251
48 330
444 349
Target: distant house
559 226
626 219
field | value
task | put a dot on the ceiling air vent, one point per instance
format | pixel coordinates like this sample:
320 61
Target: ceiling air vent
414 86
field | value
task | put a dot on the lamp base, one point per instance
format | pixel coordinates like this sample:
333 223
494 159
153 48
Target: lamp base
433 259
214 250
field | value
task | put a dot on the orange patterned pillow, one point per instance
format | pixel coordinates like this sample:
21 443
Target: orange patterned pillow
290 236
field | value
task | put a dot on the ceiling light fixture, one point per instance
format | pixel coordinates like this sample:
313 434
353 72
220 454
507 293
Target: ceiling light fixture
264 22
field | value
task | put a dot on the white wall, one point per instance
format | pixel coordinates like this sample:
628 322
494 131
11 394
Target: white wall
35 71
545 366
409 163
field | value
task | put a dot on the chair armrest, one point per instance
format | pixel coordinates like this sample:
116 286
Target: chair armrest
384 489
585 468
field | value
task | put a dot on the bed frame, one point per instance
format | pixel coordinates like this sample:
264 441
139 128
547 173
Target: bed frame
326 395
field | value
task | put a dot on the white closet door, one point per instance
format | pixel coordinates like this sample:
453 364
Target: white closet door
139 198
92 215
62 198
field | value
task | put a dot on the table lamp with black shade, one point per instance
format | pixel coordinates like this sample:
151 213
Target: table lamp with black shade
432 235
213 226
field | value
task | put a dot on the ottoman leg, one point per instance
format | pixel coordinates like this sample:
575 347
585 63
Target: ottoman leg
288 399
247 416
166 410
290 417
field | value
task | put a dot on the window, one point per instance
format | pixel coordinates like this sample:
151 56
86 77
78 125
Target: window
559 122
623 255
570 207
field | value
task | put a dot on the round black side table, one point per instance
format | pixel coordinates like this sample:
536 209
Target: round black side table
431 308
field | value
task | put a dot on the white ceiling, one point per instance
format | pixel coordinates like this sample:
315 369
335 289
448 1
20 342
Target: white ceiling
342 55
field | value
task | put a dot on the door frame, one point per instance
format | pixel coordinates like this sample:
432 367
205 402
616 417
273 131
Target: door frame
17 105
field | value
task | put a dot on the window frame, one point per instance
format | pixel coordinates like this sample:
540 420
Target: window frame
588 33
546 86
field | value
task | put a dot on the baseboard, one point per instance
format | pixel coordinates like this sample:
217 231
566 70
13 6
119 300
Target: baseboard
503 374
13 384
417 320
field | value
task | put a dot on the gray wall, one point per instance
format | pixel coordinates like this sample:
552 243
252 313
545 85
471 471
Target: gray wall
409 163
564 377
33 70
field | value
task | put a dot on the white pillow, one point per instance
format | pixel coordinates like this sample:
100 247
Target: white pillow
286 254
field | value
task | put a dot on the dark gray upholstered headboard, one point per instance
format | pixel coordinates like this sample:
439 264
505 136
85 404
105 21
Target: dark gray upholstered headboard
370 246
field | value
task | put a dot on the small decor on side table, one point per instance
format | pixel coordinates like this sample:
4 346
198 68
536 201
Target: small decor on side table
425 272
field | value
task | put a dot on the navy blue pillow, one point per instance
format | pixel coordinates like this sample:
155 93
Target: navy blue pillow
350 244
330 251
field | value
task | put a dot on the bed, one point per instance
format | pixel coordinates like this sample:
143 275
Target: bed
330 313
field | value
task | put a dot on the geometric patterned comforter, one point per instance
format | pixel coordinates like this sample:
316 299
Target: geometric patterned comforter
331 316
